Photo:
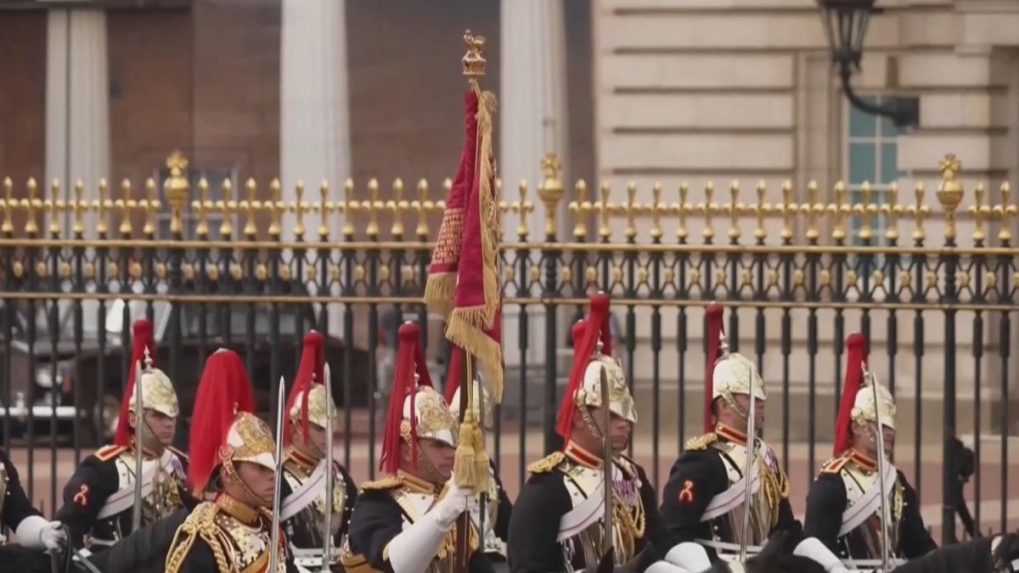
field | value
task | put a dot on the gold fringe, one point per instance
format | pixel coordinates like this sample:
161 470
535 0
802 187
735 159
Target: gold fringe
488 352
439 293
488 207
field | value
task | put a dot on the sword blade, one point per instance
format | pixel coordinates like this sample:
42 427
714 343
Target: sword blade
139 434
748 467
330 473
607 461
880 468
274 556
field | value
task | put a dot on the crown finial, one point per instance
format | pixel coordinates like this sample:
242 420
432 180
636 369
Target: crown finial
474 61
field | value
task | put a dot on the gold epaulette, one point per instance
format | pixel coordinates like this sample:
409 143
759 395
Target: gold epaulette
701 442
835 465
386 483
107 453
179 453
547 463
201 523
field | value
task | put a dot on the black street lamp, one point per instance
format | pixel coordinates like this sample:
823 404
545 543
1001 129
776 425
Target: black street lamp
845 23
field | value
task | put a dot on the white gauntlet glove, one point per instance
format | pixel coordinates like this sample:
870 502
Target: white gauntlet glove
813 549
34 532
414 548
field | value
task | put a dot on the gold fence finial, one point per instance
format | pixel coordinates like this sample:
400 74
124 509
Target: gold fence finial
1008 210
250 230
866 233
324 207
474 62
79 209
8 224
581 208
950 193
348 205
277 207
682 209
811 208
151 206
54 204
373 214
226 228
202 230
631 209
893 210
397 205
761 210
103 224
979 233
176 187
734 209
523 229
422 209
919 213
124 203
31 228
551 192
838 209
656 212
604 230
788 211
709 208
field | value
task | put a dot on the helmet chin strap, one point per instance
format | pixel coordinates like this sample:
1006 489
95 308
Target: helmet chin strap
592 425
231 470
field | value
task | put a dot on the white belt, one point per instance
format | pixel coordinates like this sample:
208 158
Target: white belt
869 503
302 497
733 497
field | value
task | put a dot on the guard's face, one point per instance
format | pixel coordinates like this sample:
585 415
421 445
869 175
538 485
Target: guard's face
160 427
260 480
620 429
435 460
889 436
316 440
744 403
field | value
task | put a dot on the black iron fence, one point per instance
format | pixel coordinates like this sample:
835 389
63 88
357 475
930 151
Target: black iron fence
797 277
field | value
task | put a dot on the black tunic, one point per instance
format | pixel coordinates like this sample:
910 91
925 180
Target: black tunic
827 501
304 529
201 560
697 477
144 551
16 505
534 527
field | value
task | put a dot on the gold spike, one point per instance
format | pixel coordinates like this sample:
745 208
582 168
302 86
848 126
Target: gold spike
54 205
978 201
250 230
551 192
656 207
893 211
919 212
734 232
604 231
202 230
580 223
525 210
348 204
124 204
277 207
950 193
8 224
324 208
226 228
811 208
866 234
79 209
838 209
397 205
30 226
709 206
373 215
761 210
102 225
422 228
151 205
177 188
682 209
788 211
631 207
1007 211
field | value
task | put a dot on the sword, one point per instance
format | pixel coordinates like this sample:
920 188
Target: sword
880 467
139 434
607 461
479 396
747 468
330 473
274 549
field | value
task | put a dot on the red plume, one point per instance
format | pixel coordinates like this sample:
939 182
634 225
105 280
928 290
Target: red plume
312 363
714 332
141 338
592 328
855 357
410 360
224 390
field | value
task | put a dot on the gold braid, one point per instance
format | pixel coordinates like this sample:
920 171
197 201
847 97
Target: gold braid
201 523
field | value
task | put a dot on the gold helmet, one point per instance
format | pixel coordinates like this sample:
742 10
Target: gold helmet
620 399
866 409
319 408
158 393
249 440
736 374
426 415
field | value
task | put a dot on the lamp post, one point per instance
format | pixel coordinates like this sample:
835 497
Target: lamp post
845 24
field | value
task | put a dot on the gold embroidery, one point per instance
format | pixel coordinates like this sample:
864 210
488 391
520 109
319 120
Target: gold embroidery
701 442
547 463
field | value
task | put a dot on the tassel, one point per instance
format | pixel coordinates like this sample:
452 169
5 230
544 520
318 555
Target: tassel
481 460
465 463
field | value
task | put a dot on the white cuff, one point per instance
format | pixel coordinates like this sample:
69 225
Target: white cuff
414 548
29 532
813 549
666 567
690 556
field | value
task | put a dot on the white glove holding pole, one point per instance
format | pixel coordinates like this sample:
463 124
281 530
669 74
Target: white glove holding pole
414 548
34 532
813 549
